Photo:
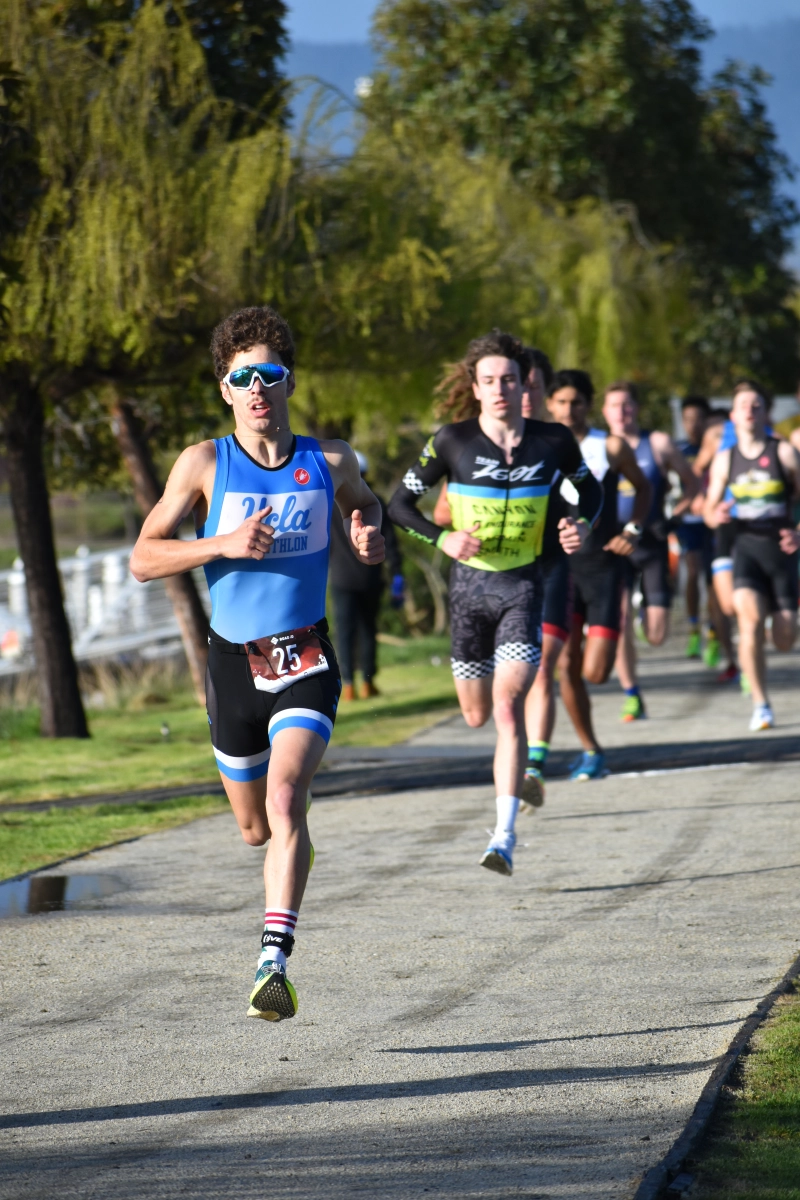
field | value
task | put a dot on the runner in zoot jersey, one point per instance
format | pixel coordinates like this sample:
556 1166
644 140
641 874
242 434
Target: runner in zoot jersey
262 501
762 474
656 454
597 568
500 470
540 704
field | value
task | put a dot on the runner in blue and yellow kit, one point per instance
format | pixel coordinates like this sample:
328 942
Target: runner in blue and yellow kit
500 470
263 500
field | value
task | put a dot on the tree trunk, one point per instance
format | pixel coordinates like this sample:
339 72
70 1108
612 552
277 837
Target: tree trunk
62 712
183 595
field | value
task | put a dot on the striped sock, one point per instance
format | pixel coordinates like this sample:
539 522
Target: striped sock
278 938
537 753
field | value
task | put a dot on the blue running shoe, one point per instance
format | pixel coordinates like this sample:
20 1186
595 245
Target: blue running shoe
497 856
590 765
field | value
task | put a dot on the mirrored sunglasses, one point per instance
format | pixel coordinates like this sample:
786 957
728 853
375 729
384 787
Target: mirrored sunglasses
269 374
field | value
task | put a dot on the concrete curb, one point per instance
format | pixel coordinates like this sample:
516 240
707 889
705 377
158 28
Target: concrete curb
406 773
659 1178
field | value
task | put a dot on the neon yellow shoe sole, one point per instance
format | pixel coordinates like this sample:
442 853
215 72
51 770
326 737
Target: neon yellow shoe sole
273 998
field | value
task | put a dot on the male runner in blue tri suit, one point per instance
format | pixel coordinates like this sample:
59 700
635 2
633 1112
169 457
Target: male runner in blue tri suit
262 501
656 454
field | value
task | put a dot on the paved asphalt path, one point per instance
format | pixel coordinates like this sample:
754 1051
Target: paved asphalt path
459 1033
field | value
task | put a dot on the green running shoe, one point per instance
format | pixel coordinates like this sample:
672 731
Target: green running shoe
273 998
532 788
693 645
712 652
633 709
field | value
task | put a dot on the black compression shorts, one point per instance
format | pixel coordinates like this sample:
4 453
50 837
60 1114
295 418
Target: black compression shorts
760 564
724 543
495 616
598 586
557 601
650 564
243 720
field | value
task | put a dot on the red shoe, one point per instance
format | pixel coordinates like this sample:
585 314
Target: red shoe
729 675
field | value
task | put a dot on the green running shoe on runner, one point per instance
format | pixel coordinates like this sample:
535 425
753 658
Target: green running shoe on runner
712 652
633 709
273 998
693 647
532 789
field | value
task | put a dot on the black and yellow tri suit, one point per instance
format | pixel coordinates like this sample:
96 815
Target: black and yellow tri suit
763 508
496 596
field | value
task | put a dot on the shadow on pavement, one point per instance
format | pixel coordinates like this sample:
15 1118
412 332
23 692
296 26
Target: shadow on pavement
350 1093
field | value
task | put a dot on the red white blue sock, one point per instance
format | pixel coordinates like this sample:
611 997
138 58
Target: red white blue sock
277 941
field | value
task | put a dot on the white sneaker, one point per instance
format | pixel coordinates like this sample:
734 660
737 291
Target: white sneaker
497 856
762 718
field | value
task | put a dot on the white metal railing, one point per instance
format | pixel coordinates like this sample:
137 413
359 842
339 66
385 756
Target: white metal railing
109 612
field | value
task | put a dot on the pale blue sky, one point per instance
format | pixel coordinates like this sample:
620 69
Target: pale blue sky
348 20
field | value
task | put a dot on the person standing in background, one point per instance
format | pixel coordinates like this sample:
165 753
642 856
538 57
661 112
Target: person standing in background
356 591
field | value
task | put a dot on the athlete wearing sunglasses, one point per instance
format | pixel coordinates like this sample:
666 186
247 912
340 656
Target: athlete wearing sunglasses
262 501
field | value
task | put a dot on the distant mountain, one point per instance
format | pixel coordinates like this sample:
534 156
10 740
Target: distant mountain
340 64
775 47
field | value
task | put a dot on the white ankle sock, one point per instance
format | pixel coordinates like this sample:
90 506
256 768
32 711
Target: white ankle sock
507 809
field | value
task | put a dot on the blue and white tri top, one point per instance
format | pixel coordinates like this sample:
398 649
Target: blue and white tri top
626 493
286 589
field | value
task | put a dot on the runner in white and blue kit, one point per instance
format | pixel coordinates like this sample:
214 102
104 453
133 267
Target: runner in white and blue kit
262 499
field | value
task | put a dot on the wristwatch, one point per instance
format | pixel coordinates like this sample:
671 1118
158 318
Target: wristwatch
634 529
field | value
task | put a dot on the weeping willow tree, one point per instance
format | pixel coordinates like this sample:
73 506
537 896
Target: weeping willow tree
151 221
411 256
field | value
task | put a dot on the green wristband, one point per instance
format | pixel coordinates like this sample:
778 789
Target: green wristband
441 538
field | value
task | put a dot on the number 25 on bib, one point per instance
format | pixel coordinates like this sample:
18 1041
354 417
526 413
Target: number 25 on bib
278 661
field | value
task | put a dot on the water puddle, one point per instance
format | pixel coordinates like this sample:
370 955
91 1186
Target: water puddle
55 893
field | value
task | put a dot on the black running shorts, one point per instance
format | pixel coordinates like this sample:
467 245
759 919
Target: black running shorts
597 579
724 543
243 720
495 616
649 564
760 564
557 601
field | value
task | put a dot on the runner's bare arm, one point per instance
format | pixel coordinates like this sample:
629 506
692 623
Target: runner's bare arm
716 511
669 458
360 509
158 553
441 512
790 461
622 459
708 448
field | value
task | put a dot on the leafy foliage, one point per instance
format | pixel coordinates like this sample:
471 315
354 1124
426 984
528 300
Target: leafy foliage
604 99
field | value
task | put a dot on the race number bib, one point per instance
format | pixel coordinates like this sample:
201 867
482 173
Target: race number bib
278 661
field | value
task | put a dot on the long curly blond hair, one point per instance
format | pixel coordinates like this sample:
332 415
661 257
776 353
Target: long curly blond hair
458 401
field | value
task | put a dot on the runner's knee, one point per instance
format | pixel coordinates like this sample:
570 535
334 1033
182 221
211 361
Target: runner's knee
287 804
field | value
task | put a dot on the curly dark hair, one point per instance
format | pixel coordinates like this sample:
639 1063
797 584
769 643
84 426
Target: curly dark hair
459 403
571 377
249 327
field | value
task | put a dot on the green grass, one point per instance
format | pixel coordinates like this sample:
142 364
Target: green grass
128 752
30 840
752 1150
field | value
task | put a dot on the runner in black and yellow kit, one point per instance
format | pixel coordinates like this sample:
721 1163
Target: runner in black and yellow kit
500 470
763 475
